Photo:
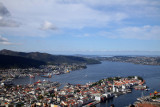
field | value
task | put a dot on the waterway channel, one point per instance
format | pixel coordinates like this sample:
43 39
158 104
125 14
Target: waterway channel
108 69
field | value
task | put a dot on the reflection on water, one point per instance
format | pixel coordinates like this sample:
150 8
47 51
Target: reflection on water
108 69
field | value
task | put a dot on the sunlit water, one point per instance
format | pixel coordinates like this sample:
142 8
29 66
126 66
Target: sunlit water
108 69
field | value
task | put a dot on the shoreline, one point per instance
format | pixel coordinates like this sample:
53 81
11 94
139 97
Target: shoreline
99 91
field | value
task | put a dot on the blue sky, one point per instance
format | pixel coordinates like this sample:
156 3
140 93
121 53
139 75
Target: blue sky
81 26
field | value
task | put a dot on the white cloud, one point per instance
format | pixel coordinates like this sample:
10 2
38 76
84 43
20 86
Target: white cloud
73 14
1 17
5 19
8 23
111 2
144 33
4 41
48 26
65 15
3 10
132 8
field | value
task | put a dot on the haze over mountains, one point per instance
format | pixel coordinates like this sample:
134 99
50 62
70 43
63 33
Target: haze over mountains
33 59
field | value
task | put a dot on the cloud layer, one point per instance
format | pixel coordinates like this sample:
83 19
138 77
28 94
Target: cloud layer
130 19
3 10
145 32
5 18
4 41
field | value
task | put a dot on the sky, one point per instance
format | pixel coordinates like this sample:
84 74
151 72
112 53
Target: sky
81 26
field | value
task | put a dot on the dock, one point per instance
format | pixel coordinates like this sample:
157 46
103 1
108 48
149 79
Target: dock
94 103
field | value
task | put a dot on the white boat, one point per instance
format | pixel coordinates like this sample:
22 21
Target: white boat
147 89
31 76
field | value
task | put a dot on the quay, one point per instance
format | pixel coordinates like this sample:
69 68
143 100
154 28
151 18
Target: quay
91 104
152 100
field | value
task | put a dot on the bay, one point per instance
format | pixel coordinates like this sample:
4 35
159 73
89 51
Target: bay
107 69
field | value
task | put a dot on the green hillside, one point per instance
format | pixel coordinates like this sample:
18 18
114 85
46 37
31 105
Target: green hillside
7 61
50 59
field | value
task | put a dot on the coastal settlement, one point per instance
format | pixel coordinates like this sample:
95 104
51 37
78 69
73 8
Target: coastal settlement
48 94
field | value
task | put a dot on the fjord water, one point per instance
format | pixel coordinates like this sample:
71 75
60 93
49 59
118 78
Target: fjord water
106 69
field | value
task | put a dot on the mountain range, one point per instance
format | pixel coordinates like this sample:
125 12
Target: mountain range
23 58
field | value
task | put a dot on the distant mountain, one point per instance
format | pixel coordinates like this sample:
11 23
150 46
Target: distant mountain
145 60
50 59
7 61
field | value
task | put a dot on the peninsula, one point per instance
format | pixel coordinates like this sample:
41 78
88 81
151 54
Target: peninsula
43 93
144 60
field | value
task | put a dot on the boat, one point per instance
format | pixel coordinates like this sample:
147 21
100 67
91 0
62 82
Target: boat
31 76
67 71
147 89
129 91
47 76
115 96
39 81
103 99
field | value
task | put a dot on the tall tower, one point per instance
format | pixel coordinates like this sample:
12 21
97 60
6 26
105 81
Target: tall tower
113 88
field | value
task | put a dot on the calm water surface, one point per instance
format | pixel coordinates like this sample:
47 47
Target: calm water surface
109 69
